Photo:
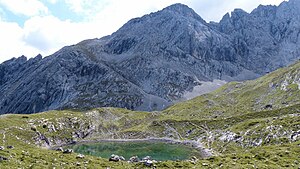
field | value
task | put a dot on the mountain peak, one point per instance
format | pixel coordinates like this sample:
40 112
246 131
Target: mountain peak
178 7
177 16
183 10
238 13
20 60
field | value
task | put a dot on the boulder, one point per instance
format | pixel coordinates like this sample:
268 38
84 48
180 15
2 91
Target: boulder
193 160
10 147
149 163
295 136
146 158
68 151
122 158
134 159
33 128
3 158
80 156
114 158
59 149
2 147
268 106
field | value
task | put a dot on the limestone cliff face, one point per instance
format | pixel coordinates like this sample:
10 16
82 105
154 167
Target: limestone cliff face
267 38
154 60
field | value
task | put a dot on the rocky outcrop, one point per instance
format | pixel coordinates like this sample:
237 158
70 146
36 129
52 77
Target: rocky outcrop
267 38
153 61
116 158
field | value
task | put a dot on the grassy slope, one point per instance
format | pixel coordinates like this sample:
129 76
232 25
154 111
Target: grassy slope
239 97
237 108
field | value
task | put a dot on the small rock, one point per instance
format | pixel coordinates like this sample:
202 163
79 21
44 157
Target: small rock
193 162
204 164
114 158
194 158
59 149
268 106
122 158
134 159
68 151
146 158
25 152
80 156
33 128
2 147
78 164
148 163
3 158
10 147
295 136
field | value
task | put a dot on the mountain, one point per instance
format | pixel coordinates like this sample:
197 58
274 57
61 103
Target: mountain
267 38
153 61
256 129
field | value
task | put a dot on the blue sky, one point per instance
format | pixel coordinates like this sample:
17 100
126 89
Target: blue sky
30 27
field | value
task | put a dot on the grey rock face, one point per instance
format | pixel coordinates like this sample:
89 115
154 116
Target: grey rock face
153 61
267 38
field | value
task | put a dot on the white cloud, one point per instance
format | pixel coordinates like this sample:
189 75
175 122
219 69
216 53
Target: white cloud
43 34
52 1
49 33
268 2
11 41
109 15
1 13
85 6
25 7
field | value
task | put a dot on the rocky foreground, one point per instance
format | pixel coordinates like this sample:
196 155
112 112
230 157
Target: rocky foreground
267 141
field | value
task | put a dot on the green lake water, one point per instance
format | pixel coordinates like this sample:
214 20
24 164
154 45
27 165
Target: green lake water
160 151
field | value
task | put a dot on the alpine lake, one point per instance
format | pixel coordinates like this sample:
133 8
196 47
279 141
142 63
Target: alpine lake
157 150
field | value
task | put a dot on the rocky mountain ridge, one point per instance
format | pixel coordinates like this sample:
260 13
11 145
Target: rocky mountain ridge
153 61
